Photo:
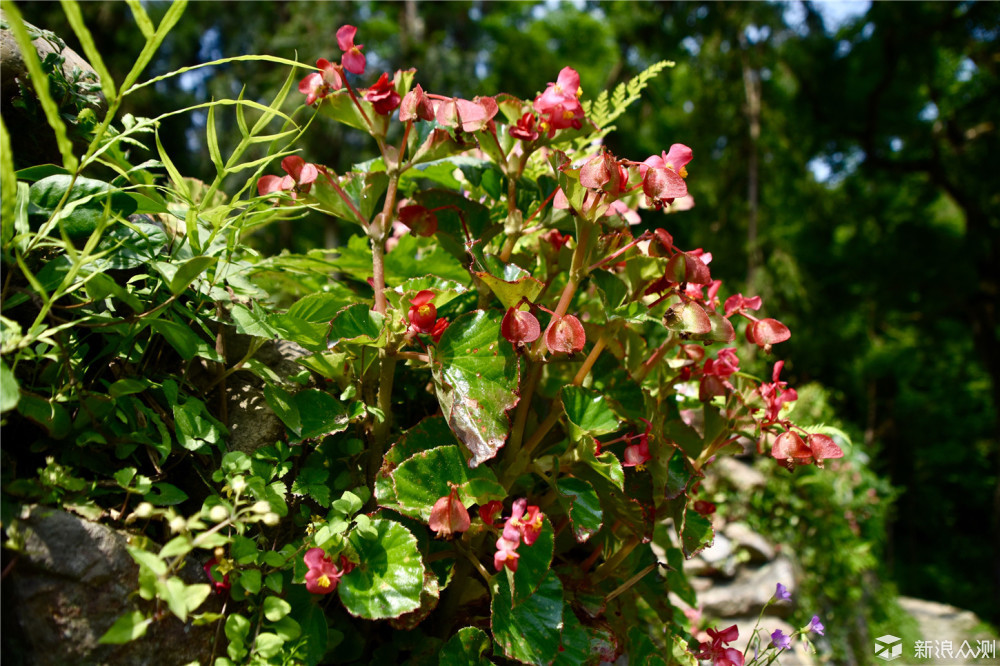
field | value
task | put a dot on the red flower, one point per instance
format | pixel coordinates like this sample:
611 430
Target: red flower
717 650
604 173
488 512
353 59
383 96
300 178
323 574
559 105
422 314
519 326
790 447
555 238
775 394
565 334
738 303
221 584
440 326
320 84
449 515
525 128
715 376
637 455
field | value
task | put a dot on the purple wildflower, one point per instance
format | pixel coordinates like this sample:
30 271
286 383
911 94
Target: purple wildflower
816 626
780 640
781 593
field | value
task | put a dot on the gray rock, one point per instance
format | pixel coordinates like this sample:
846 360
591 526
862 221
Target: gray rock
70 583
941 622
739 475
759 549
749 591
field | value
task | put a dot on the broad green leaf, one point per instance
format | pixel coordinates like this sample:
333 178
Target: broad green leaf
87 203
252 322
358 324
531 631
413 255
10 392
165 494
322 307
184 340
51 416
148 559
131 245
280 401
427 434
189 271
476 378
320 412
425 477
677 580
126 628
580 501
466 648
606 465
389 578
276 608
194 425
533 563
268 644
311 335
250 579
575 642
588 412
127 386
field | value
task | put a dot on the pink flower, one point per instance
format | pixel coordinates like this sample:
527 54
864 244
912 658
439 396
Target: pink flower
353 59
663 175
323 574
383 96
738 303
416 105
775 394
559 105
488 512
300 178
449 515
506 555
637 455
320 84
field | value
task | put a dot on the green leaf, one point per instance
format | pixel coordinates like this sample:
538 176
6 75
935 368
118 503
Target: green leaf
389 578
425 477
128 386
195 427
476 378
320 412
88 203
321 307
51 416
588 412
311 335
605 465
695 531
575 642
126 628
280 401
268 645
466 648
534 563
580 501
510 283
10 392
531 631
358 324
252 322
276 608
165 494
188 272
148 560
250 580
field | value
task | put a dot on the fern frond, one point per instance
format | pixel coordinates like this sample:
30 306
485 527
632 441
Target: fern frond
603 111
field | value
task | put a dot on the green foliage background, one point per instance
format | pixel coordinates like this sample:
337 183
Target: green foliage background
884 268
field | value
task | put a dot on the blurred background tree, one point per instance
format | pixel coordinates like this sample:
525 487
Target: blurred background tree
844 170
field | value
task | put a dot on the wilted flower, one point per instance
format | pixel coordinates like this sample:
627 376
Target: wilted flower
565 334
449 515
519 326
383 96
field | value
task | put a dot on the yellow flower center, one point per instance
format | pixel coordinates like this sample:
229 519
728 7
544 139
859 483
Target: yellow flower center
323 581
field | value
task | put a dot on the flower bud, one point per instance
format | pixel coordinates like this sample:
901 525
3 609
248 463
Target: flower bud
178 525
238 484
261 507
144 510
218 513
271 519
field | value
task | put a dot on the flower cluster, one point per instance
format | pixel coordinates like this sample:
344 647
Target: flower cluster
524 524
718 649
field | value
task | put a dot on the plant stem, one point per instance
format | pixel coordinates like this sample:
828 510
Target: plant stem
588 363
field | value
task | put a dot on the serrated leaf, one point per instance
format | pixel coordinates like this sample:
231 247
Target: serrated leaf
581 503
358 324
530 631
426 477
476 378
510 284
252 322
574 642
320 413
389 578
696 532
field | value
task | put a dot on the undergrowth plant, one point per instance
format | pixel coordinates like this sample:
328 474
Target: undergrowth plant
502 389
